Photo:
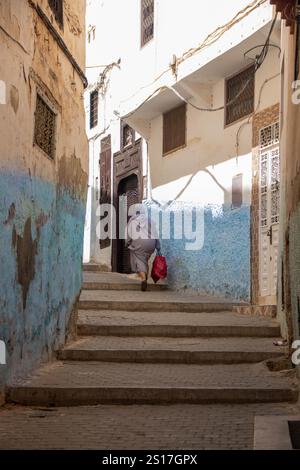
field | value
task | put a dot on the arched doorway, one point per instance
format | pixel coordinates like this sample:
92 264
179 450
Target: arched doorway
127 184
128 191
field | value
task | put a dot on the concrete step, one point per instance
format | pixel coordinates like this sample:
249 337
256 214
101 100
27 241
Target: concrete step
91 383
173 324
171 350
91 267
151 302
115 281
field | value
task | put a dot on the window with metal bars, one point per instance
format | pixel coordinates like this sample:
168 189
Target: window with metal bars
57 9
239 95
174 129
127 135
93 109
44 129
147 21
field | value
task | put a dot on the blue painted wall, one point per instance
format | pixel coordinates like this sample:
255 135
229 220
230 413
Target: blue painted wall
41 238
222 266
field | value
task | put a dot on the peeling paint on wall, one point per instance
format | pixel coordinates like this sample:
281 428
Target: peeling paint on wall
72 176
41 240
14 98
26 252
11 214
72 20
42 200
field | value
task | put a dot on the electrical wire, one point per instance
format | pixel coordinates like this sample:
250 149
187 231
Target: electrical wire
208 41
254 112
261 45
96 66
259 60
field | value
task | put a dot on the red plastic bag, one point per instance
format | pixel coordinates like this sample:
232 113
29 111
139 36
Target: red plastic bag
159 268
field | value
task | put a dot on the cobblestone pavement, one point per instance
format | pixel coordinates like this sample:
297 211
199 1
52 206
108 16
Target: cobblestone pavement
134 427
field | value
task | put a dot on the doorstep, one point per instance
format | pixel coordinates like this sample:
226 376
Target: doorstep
272 432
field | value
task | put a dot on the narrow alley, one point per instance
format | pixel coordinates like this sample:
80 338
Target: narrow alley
195 373
149 226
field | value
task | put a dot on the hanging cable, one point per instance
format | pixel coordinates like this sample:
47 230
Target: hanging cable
259 60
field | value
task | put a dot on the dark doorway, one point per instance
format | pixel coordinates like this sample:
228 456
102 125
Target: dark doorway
127 185
128 188
105 181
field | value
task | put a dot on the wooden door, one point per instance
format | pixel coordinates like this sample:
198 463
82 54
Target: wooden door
128 192
105 180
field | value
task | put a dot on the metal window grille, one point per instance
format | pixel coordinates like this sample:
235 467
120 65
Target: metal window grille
57 8
269 136
93 109
269 175
147 21
44 131
240 95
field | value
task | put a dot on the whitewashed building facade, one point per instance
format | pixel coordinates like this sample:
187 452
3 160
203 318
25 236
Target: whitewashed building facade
178 116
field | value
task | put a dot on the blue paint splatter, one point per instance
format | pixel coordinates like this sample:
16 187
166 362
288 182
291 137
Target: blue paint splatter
57 221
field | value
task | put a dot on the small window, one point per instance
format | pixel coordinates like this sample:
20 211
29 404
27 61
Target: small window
147 21
174 129
240 95
57 9
44 129
127 135
93 109
237 191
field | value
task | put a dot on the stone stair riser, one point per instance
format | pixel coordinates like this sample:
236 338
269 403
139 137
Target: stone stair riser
121 287
178 331
84 396
145 306
167 356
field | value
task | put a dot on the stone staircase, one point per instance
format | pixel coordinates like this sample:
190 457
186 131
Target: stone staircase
158 347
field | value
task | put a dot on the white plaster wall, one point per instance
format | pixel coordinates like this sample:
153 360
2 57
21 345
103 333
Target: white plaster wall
211 147
179 26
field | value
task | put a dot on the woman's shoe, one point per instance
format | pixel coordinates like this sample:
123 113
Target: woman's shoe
144 285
